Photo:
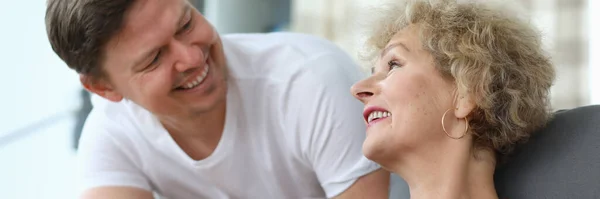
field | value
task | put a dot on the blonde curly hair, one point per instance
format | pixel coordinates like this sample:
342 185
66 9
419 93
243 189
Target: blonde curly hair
493 56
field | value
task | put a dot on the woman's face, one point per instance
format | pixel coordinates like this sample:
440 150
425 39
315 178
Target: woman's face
405 98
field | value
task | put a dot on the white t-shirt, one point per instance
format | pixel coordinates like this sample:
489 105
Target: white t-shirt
293 130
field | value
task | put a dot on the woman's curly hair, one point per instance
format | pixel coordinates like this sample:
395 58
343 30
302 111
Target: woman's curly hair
492 55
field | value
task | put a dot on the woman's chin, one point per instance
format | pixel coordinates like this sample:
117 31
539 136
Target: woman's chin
383 150
373 150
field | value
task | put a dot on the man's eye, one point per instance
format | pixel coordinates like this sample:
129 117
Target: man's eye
154 62
187 25
156 58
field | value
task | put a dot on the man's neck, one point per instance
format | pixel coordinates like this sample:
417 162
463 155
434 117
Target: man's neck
455 174
197 134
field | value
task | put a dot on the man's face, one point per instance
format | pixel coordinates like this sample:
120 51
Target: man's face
167 58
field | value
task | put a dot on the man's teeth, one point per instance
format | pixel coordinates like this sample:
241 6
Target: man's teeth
378 115
198 79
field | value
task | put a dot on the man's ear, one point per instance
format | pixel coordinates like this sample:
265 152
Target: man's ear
464 105
100 87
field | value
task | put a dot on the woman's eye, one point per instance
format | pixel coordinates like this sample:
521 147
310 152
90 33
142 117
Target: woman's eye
392 65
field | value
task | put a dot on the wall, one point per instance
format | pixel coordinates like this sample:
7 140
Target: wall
35 83
39 94
235 16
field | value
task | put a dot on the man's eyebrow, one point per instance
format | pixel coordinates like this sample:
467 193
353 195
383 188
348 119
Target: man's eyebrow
184 11
394 45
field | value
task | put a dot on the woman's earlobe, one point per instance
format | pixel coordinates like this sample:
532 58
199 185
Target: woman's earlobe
464 107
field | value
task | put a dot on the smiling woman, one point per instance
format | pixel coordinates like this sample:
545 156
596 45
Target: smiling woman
455 86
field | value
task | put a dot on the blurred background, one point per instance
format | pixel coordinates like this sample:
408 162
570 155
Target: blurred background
43 105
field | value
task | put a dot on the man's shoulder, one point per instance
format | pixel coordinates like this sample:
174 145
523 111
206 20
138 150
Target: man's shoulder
304 43
286 56
108 117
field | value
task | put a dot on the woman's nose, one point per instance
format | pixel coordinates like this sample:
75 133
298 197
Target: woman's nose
362 90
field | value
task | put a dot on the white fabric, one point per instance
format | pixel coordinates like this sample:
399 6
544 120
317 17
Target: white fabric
293 130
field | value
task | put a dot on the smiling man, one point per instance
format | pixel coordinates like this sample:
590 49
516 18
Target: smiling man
186 113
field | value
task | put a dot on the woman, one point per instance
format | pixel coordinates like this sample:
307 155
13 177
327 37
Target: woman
454 87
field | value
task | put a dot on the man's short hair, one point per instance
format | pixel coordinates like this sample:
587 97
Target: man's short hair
79 30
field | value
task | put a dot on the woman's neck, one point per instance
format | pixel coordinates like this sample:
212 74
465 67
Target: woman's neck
451 172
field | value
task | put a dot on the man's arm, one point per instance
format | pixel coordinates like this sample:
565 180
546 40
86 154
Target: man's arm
116 193
374 185
106 161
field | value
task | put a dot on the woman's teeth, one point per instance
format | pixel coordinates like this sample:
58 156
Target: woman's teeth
378 115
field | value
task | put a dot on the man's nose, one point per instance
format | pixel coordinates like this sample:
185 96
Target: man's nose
187 56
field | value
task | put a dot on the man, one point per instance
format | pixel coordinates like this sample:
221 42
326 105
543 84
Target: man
186 113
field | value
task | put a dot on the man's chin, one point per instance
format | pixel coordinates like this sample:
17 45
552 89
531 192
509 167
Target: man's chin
206 106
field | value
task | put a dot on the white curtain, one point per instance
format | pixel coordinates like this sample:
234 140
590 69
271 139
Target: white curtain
594 51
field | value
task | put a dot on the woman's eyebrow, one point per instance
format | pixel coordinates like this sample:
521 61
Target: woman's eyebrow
392 46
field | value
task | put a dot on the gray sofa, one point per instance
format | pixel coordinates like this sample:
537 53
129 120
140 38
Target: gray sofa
561 161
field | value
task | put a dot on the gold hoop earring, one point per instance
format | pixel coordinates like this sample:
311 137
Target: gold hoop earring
444 127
